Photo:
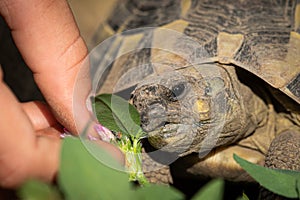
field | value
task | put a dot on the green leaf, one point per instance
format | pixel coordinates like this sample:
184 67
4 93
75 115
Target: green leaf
37 190
117 114
212 190
282 182
244 197
151 191
298 186
82 176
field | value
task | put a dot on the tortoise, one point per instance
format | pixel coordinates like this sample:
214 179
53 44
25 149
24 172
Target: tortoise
227 80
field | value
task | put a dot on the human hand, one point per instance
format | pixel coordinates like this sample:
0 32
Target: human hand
49 41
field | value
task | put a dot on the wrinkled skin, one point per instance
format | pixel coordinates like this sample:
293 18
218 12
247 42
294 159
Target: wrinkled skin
193 109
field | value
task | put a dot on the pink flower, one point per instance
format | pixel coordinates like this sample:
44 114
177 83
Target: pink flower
65 133
104 133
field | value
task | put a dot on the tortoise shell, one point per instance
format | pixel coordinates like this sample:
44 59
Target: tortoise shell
262 37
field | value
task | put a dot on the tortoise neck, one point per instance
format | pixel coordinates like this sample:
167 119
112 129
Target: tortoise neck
249 109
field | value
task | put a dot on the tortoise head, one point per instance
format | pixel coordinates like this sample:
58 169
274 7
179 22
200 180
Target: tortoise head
192 109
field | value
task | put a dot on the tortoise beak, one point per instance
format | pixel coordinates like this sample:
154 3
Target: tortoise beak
153 117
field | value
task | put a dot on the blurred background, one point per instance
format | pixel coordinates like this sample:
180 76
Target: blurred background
89 14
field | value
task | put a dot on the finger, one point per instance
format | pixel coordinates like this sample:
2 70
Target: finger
24 156
49 41
14 123
113 151
40 115
21 155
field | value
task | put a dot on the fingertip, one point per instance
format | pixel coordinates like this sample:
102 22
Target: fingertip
114 151
40 115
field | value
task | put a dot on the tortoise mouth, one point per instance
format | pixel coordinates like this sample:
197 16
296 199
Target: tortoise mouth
172 137
165 131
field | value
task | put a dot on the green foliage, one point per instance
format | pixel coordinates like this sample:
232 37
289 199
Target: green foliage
82 176
164 192
244 197
282 182
212 190
36 190
118 115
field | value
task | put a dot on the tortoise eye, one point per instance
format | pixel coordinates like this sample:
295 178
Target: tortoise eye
177 91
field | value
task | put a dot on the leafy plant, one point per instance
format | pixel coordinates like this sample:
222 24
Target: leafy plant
83 175
123 119
118 115
282 182
212 190
36 190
